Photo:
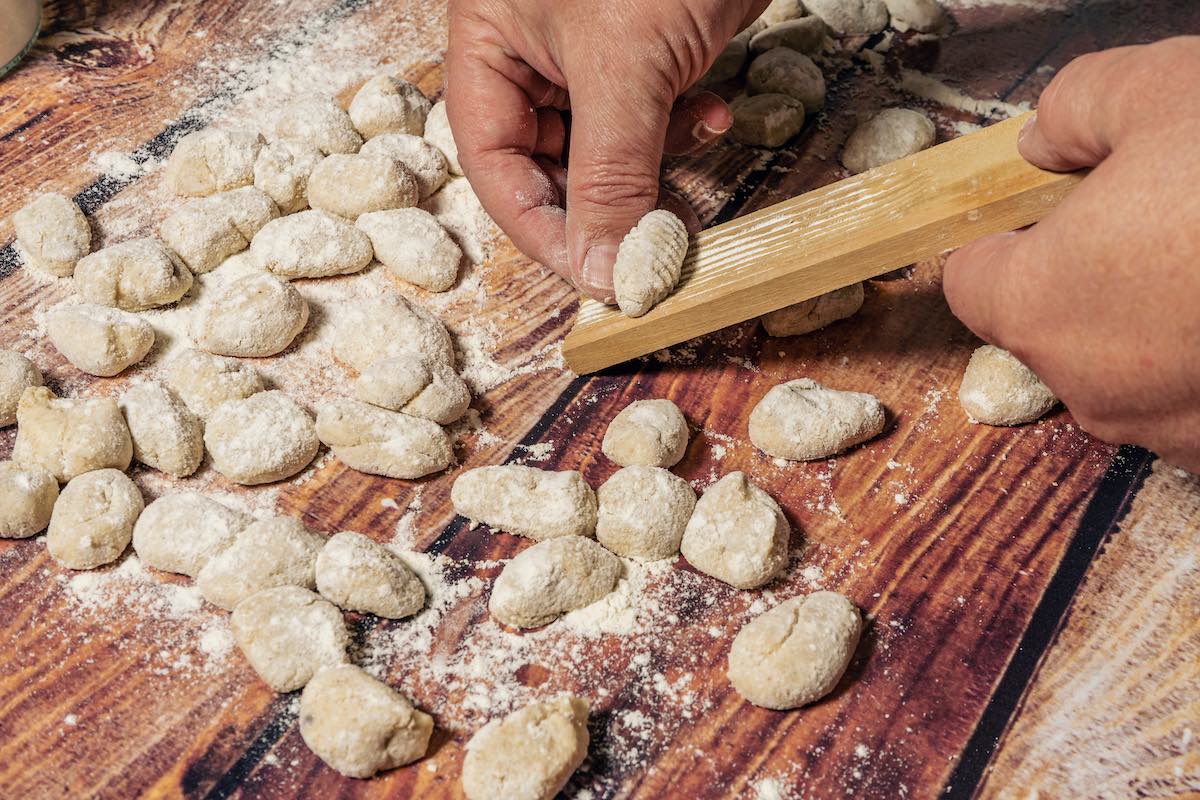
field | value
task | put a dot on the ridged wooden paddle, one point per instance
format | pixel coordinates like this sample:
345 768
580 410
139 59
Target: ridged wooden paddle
832 237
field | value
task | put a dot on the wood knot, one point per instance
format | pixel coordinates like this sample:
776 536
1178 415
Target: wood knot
92 49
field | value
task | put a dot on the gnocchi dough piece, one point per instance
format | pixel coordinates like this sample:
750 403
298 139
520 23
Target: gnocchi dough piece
652 433
814 314
926 16
183 531
649 262
267 553
99 340
203 381
781 11
457 207
358 725
526 501
27 496
420 387
358 574
892 134
52 234
210 161
387 104
281 171
414 246
785 71
319 123
288 634
426 163
68 437
643 511
208 230
255 316
17 373
166 434
135 276
796 653
384 327
801 420
997 389
737 534
551 578
438 133
93 519
805 35
529 754
850 17
352 185
766 120
381 442
311 244
265 438
728 65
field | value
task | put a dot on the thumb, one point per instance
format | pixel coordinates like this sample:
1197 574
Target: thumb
979 282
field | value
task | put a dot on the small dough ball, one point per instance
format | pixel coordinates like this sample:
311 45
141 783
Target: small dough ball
99 340
426 163
728 65
796 653
68 437
649 262
135 276
359 725
93 519
359 574
288 634
351 185
183 531
166 434
414 246
311 244
457 207
204 381
926 16
652 433
279 551
801 420
265 438
766 120
784 71
550 579
27 496
319 123
814 314
387 104
282 170
781 11
17 373
210 161
526 501
384 327
643 511
381 442
255 316
208 230
850 17
52 234
805 35
419 387
892 134
438 133
997 389
737 534
529 754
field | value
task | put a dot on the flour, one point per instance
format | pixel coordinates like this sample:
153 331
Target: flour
930 88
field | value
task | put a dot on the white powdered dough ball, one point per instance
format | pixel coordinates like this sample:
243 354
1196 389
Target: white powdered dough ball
892 134
525 501
784 71
643 512
204 381
381 442
288 634
52 234
93 519
352 185
438 133
253 317
552 578
781 11
850 17
311 244
737 534
359 725
135 276
805 35
281 171
649 262
414 246
27 496
358 574
384 327
210 161
423 160
801 420
997 389
17 373
183 531
926 16
766 120
529 754
68 437
814 314
266 437
166 434
420 387
208 230
279 551
653 433
99 340
319 123
457 207
387 104
796 653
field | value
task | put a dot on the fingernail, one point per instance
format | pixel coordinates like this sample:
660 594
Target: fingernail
596 278
1027 128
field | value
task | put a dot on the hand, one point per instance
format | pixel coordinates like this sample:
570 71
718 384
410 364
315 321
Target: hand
1102 297
621 67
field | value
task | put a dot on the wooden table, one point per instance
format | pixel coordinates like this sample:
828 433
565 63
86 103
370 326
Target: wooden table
1032 593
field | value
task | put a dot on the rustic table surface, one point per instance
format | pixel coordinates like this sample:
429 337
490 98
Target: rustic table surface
1034 616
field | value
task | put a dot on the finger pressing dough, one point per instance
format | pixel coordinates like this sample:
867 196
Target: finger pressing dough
311 244
279 551
643 511
997 389
68 437
383 327
414 246
653 433
166 434
134 276
814 314
266 437
387 104
926 16
649 262
737 534
27 496
795 653
801 420
288 634
255 316
359 725
358 574
93 519
426 163
420 387
785 71
17 373
892 134
350 185
183 531
805 35
850 17
52 234
208 230
526 501
281 171
203 381
438 133
210 161
552 578
319 123
99 340
781 11
766 120
381 442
